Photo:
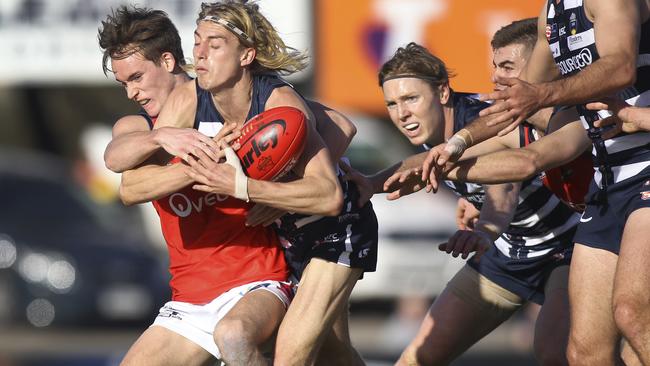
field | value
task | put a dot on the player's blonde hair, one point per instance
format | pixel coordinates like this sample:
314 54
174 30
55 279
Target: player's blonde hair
417 62
254 30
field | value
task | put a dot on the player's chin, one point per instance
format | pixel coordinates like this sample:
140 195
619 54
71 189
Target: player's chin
417 140
152 109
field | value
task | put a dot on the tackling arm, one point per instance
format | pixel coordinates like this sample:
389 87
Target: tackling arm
513 165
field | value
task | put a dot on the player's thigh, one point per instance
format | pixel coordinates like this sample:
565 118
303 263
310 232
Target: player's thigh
161 346
552 326
256 316
632 282
591 281
469 308
324 291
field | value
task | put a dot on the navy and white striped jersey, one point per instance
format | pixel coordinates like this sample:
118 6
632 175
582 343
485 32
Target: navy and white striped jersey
572 42
542 225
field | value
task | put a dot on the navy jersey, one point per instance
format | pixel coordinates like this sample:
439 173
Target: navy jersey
542 225
349 239
208 120
572 42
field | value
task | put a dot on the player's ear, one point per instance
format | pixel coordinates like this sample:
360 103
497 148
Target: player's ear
444 92
248 56
168 61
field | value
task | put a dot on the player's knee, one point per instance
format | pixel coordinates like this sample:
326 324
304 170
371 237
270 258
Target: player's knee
628 315
575 355
581 353
231 337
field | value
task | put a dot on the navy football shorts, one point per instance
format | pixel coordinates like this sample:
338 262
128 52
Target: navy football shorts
349 239
601 225
525 277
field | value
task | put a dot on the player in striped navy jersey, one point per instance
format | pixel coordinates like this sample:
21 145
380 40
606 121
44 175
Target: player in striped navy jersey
528 261
587 50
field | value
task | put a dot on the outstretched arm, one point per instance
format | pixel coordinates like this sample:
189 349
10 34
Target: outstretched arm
626 118
514 165
616 33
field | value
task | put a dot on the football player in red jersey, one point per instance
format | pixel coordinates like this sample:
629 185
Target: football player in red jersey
236 79
149 82
143 47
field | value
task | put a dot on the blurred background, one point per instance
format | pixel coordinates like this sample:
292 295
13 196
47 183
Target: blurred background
81 276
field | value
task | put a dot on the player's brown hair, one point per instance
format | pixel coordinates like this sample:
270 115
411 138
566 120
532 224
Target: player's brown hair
415 61
128 30
522 31
272 54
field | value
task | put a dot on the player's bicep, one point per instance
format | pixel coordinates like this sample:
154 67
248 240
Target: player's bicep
130 124
541 66
561 146
616 29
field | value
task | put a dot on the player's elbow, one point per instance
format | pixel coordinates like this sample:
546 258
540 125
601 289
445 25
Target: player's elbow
349 129
333 204
531 164
623 71
126 196
111 162
113 165
628 74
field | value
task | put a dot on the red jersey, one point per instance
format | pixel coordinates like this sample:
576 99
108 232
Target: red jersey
210 248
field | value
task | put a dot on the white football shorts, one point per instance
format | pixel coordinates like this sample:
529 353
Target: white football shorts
197 322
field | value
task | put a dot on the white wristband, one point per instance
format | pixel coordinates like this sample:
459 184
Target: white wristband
241 180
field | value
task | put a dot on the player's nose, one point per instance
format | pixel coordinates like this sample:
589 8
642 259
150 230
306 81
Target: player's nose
403 112
131 92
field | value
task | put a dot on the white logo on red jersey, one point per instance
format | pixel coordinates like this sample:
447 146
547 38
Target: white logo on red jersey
183 206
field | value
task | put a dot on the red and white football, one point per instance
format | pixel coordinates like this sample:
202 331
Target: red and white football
271 142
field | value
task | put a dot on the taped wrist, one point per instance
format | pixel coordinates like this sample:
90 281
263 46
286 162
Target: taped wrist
241 180
459 142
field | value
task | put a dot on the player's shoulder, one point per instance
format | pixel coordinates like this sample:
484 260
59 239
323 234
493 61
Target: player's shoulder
471 99
285 95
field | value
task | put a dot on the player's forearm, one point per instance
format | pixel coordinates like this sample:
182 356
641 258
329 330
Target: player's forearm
510 165
130 150
308 195
151 182
589 83
478 131
412 162
498 209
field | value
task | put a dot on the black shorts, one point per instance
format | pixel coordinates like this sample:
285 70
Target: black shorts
601 225
525 277
349 239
